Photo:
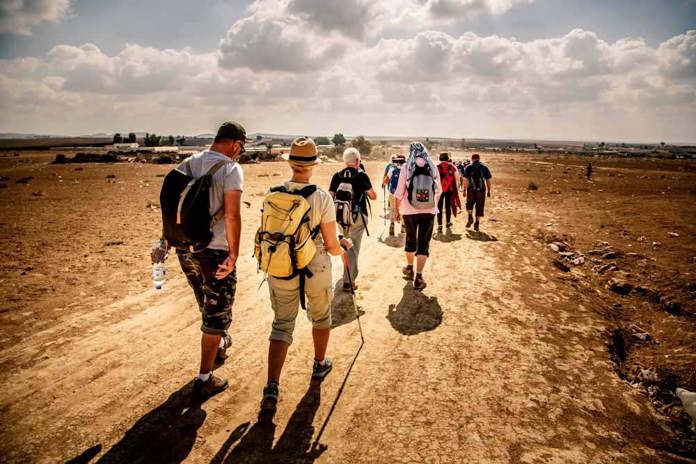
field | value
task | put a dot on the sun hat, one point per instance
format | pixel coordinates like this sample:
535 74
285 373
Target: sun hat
303 152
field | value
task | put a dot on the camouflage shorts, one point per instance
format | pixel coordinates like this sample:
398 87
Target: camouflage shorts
215 297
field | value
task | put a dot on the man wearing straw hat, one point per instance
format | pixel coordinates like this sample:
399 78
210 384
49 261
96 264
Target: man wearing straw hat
285 293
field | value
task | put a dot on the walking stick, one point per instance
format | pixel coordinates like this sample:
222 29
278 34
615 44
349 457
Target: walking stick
316 446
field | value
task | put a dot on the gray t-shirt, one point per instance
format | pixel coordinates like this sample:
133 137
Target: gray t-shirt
228 177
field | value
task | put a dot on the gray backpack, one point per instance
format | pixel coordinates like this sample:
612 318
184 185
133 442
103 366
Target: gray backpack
421 187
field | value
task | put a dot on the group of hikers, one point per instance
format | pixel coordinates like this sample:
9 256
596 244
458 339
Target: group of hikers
302 226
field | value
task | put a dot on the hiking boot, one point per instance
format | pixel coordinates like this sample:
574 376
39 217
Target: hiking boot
476 226
222 355
210 387
321 369
391 229
449 225
439 230
419 283
408 272
469 222
270 397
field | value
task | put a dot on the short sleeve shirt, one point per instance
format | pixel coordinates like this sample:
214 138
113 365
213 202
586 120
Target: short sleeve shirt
322 211
229 177
468 171
362 183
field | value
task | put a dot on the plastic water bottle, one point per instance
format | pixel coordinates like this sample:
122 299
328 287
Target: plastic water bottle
159 272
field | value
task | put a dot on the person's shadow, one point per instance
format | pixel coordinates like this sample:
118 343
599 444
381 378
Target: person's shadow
415 313
480 236
293 446
164 435
447 237
342 311
394 241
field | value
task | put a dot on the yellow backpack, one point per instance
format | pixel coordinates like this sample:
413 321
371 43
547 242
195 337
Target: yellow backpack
284 244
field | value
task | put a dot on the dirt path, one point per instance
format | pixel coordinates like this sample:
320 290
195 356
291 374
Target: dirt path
507 364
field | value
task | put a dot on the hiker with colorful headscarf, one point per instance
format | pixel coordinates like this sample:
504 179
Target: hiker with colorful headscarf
417 195
449 201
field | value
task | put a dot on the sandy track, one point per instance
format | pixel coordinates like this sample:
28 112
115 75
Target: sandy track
509 366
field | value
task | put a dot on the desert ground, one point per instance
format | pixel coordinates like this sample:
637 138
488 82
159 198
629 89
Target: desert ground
512 354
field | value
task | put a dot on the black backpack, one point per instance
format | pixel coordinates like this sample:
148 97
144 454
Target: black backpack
185 201
477 182
347 198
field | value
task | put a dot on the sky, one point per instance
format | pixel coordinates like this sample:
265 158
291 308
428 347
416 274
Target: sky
619 70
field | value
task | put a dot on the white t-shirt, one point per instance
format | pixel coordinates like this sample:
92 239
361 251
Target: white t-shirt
228 177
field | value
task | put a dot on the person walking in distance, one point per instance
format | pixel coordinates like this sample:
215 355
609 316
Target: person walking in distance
351 190
209 265
478 186
293 247
417 195
449 199
390 182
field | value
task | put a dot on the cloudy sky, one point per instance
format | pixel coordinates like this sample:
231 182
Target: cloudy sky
544 69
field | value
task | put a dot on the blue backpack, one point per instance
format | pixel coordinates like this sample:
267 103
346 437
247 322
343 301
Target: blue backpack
394 180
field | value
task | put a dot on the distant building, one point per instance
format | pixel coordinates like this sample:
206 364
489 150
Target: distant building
125 147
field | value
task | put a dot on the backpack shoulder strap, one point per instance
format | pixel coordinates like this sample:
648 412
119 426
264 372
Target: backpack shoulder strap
307 191
278 188
216 167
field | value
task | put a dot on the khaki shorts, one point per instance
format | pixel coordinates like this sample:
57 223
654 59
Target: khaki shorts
285 298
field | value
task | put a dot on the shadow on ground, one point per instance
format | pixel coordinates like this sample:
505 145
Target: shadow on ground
480 236
447 237
293 446
164 435
342 311
394 241
415 313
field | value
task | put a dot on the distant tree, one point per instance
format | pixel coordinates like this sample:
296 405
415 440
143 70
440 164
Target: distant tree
132 138
363 145
429 144
181 140
152 140
170 139
259 138
462 144
662 144
322 140
338 139
118 138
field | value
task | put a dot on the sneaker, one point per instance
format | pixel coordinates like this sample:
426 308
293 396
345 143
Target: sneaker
449 225
469 222
476 226
419 283
222 355
270 397
408 272
391 229
321 369
210 387
439 229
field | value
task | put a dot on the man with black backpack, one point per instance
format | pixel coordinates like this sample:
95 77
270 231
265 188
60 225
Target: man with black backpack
478 182
389 182
200 202
351 189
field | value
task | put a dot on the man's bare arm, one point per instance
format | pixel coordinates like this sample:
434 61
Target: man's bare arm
233 229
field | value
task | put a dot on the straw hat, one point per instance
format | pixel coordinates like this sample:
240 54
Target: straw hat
303 152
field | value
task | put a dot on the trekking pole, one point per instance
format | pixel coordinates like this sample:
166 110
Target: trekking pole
346 263
316 446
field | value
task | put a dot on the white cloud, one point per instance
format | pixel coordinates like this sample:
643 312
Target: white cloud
348 17
453 9
276 44
19 16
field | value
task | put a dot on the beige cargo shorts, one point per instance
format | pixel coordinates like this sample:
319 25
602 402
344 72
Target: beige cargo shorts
285 298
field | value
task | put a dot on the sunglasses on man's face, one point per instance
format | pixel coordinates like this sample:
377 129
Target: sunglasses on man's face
241 146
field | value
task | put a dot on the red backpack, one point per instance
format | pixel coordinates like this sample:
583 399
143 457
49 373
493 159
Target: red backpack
446 176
